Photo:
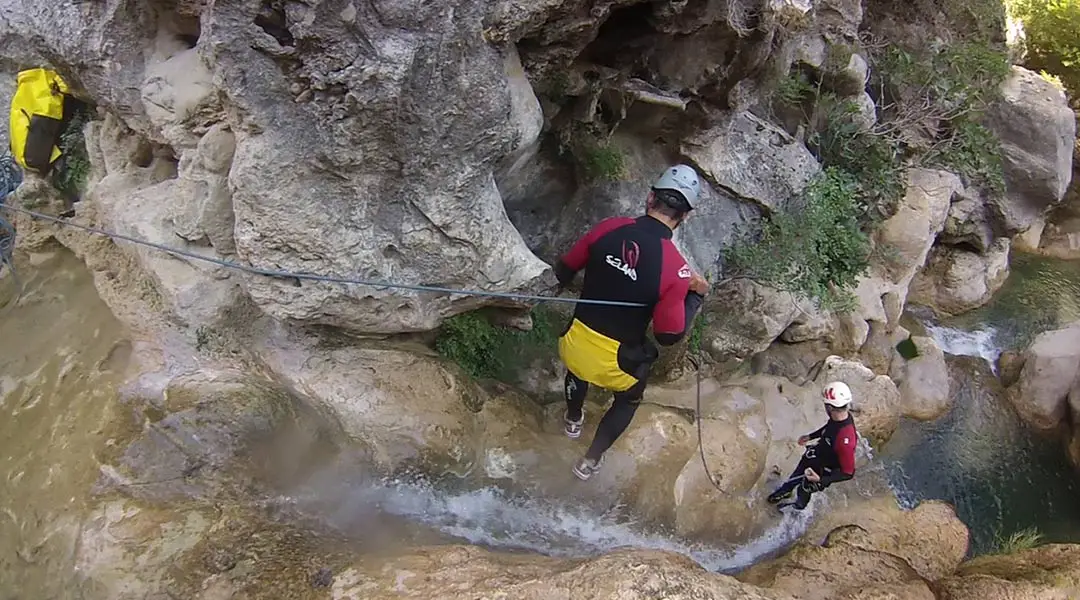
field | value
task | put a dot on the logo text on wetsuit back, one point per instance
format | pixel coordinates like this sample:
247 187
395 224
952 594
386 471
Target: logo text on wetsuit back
628 263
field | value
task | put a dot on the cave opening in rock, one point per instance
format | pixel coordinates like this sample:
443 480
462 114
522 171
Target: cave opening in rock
623 39
187 30
272 20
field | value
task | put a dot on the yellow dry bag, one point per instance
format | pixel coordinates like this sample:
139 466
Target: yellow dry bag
37 119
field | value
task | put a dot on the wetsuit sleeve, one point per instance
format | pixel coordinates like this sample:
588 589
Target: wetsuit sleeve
567 266
817 433
678 306
844 446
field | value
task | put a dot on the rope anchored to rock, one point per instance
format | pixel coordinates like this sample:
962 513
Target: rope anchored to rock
281 274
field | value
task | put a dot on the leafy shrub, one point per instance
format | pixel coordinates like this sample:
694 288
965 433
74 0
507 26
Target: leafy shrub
71 173
491 351
603 163
815 250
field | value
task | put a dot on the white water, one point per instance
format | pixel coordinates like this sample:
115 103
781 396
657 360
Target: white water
493 518
980 343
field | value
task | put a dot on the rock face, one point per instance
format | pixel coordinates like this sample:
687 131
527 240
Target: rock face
876 401
752 159
902 244
1048 379
923 381
468 572
427 417
957 280
870 558
1037 131
333 147
1050 572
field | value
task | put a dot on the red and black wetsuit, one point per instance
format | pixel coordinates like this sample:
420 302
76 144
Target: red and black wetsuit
833 458
627 260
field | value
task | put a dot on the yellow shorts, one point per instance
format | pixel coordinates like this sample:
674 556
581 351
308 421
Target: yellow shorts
594 357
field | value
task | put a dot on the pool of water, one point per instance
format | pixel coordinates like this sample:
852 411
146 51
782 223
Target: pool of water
1001 477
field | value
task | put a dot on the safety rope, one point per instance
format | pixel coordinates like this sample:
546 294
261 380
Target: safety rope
701 439
313 276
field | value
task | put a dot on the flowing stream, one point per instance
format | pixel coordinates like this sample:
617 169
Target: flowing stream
1002 477
60 418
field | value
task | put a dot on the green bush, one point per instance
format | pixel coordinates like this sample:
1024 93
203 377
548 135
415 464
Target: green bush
1052 38
74 166
815 250
873 160
971 150
603 163
942 93
490 351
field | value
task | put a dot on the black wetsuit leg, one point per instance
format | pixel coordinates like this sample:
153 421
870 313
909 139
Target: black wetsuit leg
575 390
616 419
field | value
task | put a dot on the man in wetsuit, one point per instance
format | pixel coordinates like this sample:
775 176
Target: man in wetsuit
627 260
832 459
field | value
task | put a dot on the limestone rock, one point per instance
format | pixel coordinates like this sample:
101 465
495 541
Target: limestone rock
1048 379
957 280
445 572
842 568
876 401
1037 131
905 239
971 221
923 381
412 410
363 160
744 317
207 212
1050 572
736 448
930 537
209 420
902 245
752 159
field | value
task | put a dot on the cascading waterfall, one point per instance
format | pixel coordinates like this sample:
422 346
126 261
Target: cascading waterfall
495 518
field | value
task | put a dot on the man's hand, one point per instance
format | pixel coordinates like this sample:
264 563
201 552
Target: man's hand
803 440
699 284
811 476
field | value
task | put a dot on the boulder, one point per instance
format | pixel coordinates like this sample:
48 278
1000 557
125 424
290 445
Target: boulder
195 437
957 280
902 245
412 410
1037 130
923 381
930 537
876 400
752 159
971 222
743 317
1050 572
904 240
846 566
736 447
1048 378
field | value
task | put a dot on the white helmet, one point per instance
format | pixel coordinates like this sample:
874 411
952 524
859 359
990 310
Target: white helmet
683 180
837 394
